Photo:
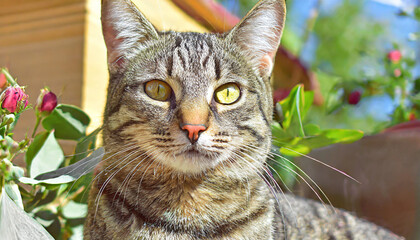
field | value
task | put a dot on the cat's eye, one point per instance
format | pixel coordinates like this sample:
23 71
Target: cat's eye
227 94
158 90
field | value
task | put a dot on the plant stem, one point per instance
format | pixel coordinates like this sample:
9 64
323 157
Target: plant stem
38 121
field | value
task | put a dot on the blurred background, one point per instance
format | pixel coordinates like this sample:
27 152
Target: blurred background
360 57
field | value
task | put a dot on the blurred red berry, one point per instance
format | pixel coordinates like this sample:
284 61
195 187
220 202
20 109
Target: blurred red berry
412 116
394 56
280 94
14 99
47 101
397 72
3 80
354 97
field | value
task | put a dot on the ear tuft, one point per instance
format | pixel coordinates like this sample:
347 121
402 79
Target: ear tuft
124 28
259 33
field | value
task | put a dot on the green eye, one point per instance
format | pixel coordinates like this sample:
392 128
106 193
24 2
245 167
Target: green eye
227 94
158 90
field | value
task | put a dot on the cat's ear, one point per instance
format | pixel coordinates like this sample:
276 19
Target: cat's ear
124 28
259 33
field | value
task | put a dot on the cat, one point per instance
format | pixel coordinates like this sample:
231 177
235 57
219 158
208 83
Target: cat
187 133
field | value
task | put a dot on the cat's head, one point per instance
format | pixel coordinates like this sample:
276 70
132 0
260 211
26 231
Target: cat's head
191 101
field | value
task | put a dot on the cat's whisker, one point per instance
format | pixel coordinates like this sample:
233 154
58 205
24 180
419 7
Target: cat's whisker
322 163
105 183
301 177
128 177
89 170
136 167
257 171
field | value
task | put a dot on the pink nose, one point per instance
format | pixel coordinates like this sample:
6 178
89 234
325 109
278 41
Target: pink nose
193 130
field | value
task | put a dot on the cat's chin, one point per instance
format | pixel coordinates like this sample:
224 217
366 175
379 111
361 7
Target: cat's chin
192 161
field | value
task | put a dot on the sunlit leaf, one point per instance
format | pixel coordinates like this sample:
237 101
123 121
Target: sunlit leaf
84 145
44 154
15 224
50 221
69 173
74 210
69 122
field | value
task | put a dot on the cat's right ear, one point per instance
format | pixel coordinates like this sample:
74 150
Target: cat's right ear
259 33
124 28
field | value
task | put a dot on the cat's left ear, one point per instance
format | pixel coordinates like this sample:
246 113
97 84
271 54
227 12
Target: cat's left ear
259 33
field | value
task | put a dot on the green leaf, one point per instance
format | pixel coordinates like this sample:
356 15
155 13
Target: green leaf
16 224
293 107
84 145
56 180
329 137
13 191
69 122
77 233
44 154
50 221
74 210
417 13
69 173
285 171
295 150
398 116
415 99
312 129
342 135
42 197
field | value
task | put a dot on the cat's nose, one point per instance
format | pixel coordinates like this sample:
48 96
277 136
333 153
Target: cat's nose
193 130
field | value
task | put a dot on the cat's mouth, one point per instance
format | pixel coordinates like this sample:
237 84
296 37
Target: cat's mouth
194 152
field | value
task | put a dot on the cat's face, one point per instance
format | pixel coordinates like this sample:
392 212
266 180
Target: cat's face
190 101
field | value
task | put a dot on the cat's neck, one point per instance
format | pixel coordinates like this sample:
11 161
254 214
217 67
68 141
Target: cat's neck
157 195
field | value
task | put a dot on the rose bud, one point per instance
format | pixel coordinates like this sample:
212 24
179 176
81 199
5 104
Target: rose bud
14 99
354 97
280 94
47 101
397 72
394 56
3 80
412 116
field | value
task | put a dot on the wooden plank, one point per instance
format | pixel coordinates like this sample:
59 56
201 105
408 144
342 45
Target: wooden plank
41 35
33 26
42 14
27 6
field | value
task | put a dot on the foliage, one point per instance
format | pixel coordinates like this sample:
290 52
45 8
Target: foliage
45 189
390 82
294 137
351 35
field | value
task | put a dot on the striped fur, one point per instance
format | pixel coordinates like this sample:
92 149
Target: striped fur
154 183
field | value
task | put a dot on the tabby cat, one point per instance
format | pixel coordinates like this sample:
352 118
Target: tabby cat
187 134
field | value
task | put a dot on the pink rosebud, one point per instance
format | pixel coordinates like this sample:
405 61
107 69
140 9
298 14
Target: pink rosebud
394 56
412 116
354 97
14 99
397 72
47 101
3 80
280 94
